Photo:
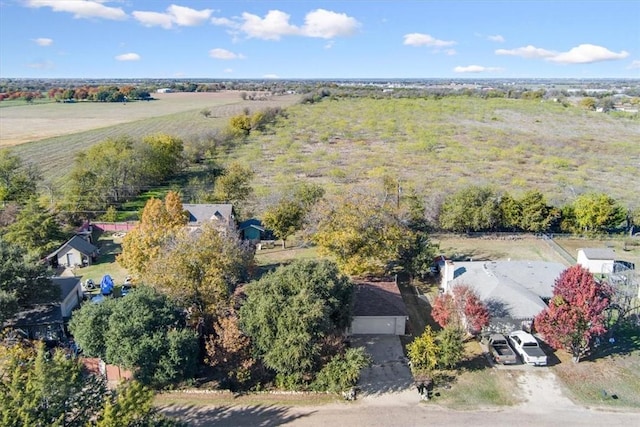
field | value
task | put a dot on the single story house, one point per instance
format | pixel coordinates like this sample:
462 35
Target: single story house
221 214
378 309
597 260
47 321
514 291
74 252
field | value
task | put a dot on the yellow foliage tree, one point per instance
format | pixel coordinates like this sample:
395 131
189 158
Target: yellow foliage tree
364 235
159 221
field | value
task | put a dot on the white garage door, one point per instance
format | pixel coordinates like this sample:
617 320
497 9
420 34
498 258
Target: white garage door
373 325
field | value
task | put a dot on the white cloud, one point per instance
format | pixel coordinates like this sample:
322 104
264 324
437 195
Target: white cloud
175 15
527 52
418 39
154 19
496 38
634 65
224 54
43 41
274 25
81 8
270 76
128 57
326 24
586 54
582 54
450 52
329 44
228 70
475 69
319 23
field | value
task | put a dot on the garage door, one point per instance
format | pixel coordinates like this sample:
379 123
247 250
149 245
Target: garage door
373 325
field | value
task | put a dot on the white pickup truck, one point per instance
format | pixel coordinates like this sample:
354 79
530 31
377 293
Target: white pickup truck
528 348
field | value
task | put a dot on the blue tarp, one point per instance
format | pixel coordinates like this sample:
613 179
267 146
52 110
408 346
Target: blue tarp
106 285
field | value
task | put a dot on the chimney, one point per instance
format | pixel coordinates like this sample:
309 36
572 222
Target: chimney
447 274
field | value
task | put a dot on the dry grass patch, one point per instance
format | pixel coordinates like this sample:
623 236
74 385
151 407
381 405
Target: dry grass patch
612 381
626 248
496 247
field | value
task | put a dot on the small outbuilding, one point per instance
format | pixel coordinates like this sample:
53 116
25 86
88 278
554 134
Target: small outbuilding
597 260
378 309
74 252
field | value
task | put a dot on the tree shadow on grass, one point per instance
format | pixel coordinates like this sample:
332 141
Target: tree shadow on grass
255 416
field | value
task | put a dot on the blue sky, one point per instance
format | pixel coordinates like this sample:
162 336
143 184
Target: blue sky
319 39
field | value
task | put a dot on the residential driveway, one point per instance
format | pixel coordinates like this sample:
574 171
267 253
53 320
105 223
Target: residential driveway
389 372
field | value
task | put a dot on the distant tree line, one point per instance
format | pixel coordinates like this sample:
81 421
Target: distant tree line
478 208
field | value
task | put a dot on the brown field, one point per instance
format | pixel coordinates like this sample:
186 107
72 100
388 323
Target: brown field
496 247
25 123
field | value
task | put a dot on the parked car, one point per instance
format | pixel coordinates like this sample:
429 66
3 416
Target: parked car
528 348
501 350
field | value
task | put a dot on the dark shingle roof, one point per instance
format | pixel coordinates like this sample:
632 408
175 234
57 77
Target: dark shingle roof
378 299
66 284
78 243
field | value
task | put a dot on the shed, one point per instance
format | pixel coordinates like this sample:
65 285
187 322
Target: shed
378 309
597 260
75 251
252 230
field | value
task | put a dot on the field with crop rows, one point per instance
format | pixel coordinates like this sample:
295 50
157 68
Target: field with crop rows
81 125
437 146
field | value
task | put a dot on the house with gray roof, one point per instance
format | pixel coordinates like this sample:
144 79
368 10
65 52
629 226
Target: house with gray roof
378 308
514 291
220 214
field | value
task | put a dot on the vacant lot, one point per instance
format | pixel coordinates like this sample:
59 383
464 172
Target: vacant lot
626 248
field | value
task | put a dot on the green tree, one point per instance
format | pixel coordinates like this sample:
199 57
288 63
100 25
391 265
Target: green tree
144 332
35 229
284 219
597 212
18 180
289 312
233 186
471 209
363 235
161 155
511 212
536 215
160 220
342 371
450 346
200 270
423 351
39 389
23 281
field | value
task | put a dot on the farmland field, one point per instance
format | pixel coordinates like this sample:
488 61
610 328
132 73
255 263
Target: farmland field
51 134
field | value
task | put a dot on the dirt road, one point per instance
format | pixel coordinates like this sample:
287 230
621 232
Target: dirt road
544 405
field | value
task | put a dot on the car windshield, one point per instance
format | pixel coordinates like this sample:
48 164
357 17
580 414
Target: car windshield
530 344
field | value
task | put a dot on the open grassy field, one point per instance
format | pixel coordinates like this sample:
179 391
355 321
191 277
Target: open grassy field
50 135
437 146
627 248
